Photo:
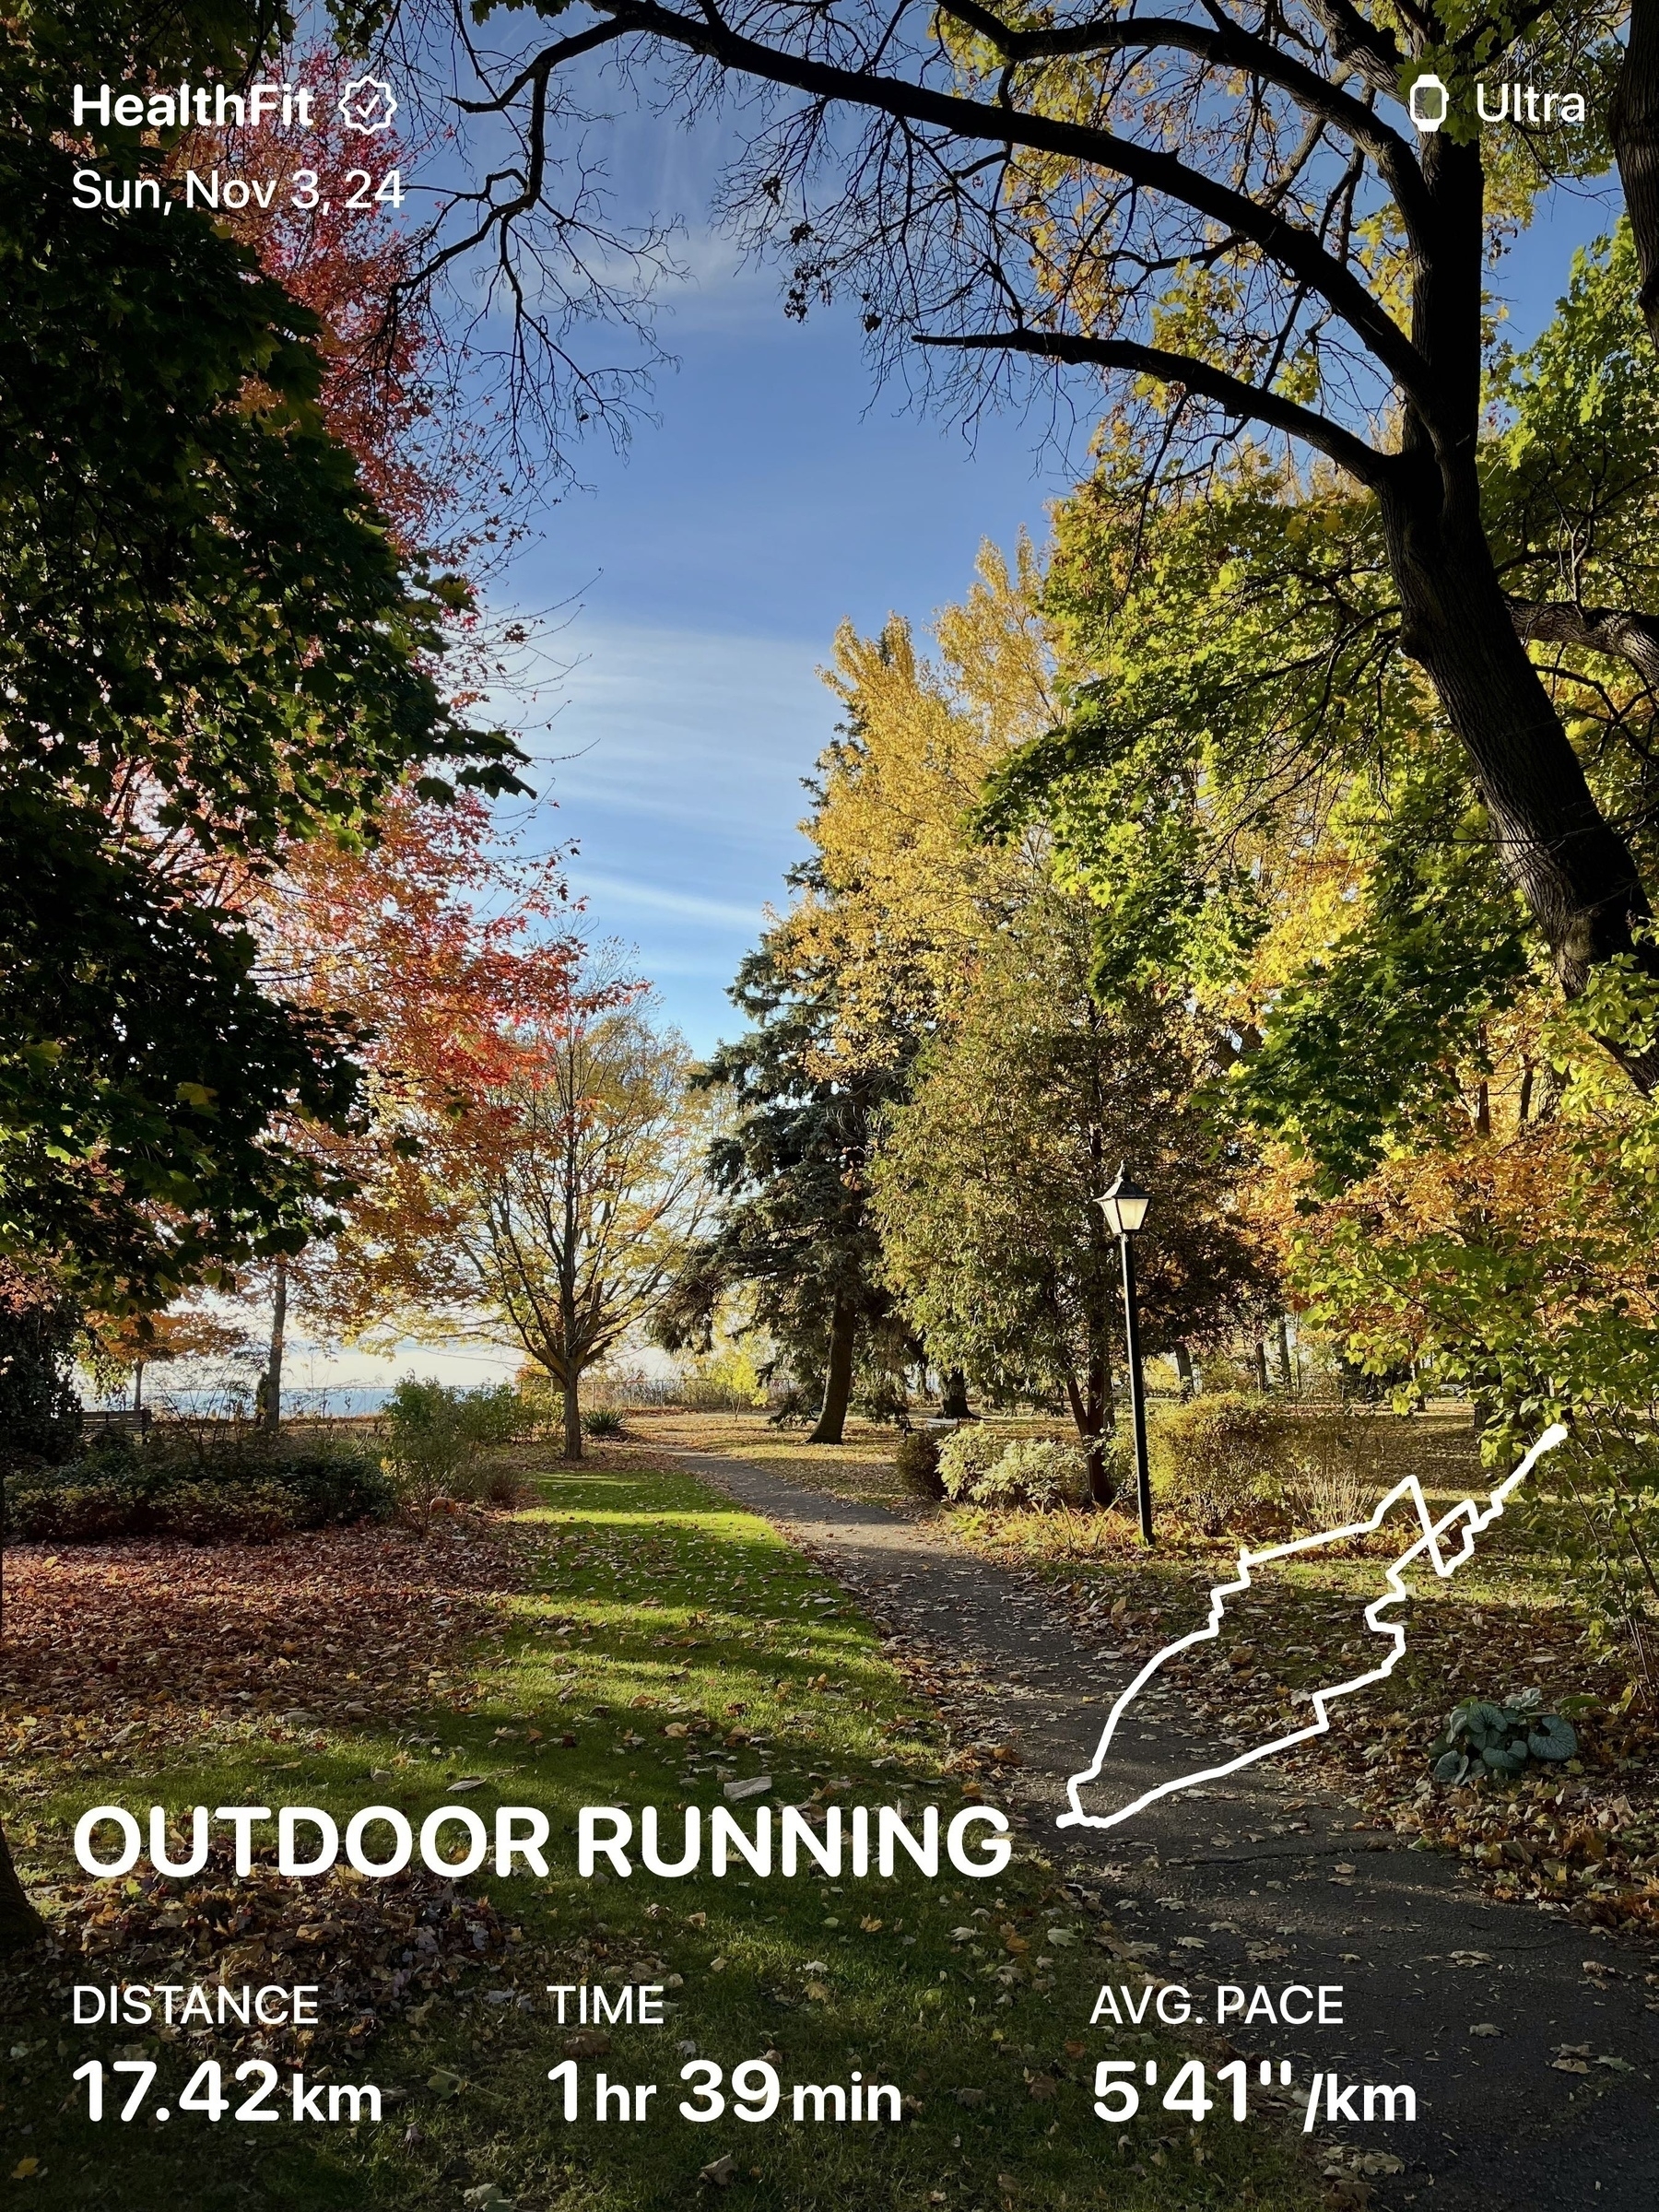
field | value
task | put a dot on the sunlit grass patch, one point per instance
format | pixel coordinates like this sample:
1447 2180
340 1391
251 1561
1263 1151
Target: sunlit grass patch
658 1647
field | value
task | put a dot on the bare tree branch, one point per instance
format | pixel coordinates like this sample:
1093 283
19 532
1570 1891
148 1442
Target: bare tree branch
1245 400
1290 247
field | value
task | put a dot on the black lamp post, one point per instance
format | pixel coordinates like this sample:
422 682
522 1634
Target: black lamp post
1124 1206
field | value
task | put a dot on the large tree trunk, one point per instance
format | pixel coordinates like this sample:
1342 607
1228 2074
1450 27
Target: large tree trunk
20 1924
572 1419
838 1380
272 1398
953 1395
1634 122
1572 868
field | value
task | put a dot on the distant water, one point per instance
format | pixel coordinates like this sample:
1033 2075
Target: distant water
339 1400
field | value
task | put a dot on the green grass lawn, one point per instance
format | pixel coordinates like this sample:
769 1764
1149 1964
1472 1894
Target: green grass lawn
647 1604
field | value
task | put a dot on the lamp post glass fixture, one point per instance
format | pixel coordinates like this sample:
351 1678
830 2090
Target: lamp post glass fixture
1124 1205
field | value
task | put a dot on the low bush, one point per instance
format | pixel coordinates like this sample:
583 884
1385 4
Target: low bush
1333 1467
603 1420
245 1491
966 1457
708 1393
916 1463
977 1466
1035 1472
435 1437
1218 1455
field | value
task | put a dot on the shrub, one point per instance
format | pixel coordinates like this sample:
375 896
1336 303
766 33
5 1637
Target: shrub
723 1381
542 1400
499 1415
1219 1455
966 1457
1035 1472
603 1420
504 1485
243 1491
916 1463
1483 1740
1332 1471
708 1393
435 1436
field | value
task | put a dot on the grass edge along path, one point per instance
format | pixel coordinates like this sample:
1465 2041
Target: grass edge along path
667 1645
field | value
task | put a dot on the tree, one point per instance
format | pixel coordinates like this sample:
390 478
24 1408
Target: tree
40 1414
124 1348
897 900
577 1179
891 914
435 945
143 1069
1213 206
792 1168
986 1182
1252 782
211 649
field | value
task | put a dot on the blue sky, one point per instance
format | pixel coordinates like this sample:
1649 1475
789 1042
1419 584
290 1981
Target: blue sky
776 494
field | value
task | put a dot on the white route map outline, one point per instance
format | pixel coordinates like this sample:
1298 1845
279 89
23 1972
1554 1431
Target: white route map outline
1475 1518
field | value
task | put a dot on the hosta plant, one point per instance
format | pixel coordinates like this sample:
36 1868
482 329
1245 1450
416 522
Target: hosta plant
1484 1739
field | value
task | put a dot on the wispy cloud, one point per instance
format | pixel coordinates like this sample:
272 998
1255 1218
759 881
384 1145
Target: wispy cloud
677 761
626 893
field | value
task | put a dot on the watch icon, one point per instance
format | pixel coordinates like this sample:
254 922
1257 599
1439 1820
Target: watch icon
1428 103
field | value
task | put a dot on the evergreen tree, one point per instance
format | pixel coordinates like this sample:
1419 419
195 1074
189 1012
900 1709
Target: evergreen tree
794 1169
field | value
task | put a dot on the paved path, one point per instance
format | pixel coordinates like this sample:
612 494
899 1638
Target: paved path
1279 1887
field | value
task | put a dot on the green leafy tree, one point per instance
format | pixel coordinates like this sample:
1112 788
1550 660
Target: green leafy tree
210 649
40 1413
1256 789
987 1178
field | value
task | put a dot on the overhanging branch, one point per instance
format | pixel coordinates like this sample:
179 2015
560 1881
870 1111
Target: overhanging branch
1610 630
1291 249
1361 461
1227 47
